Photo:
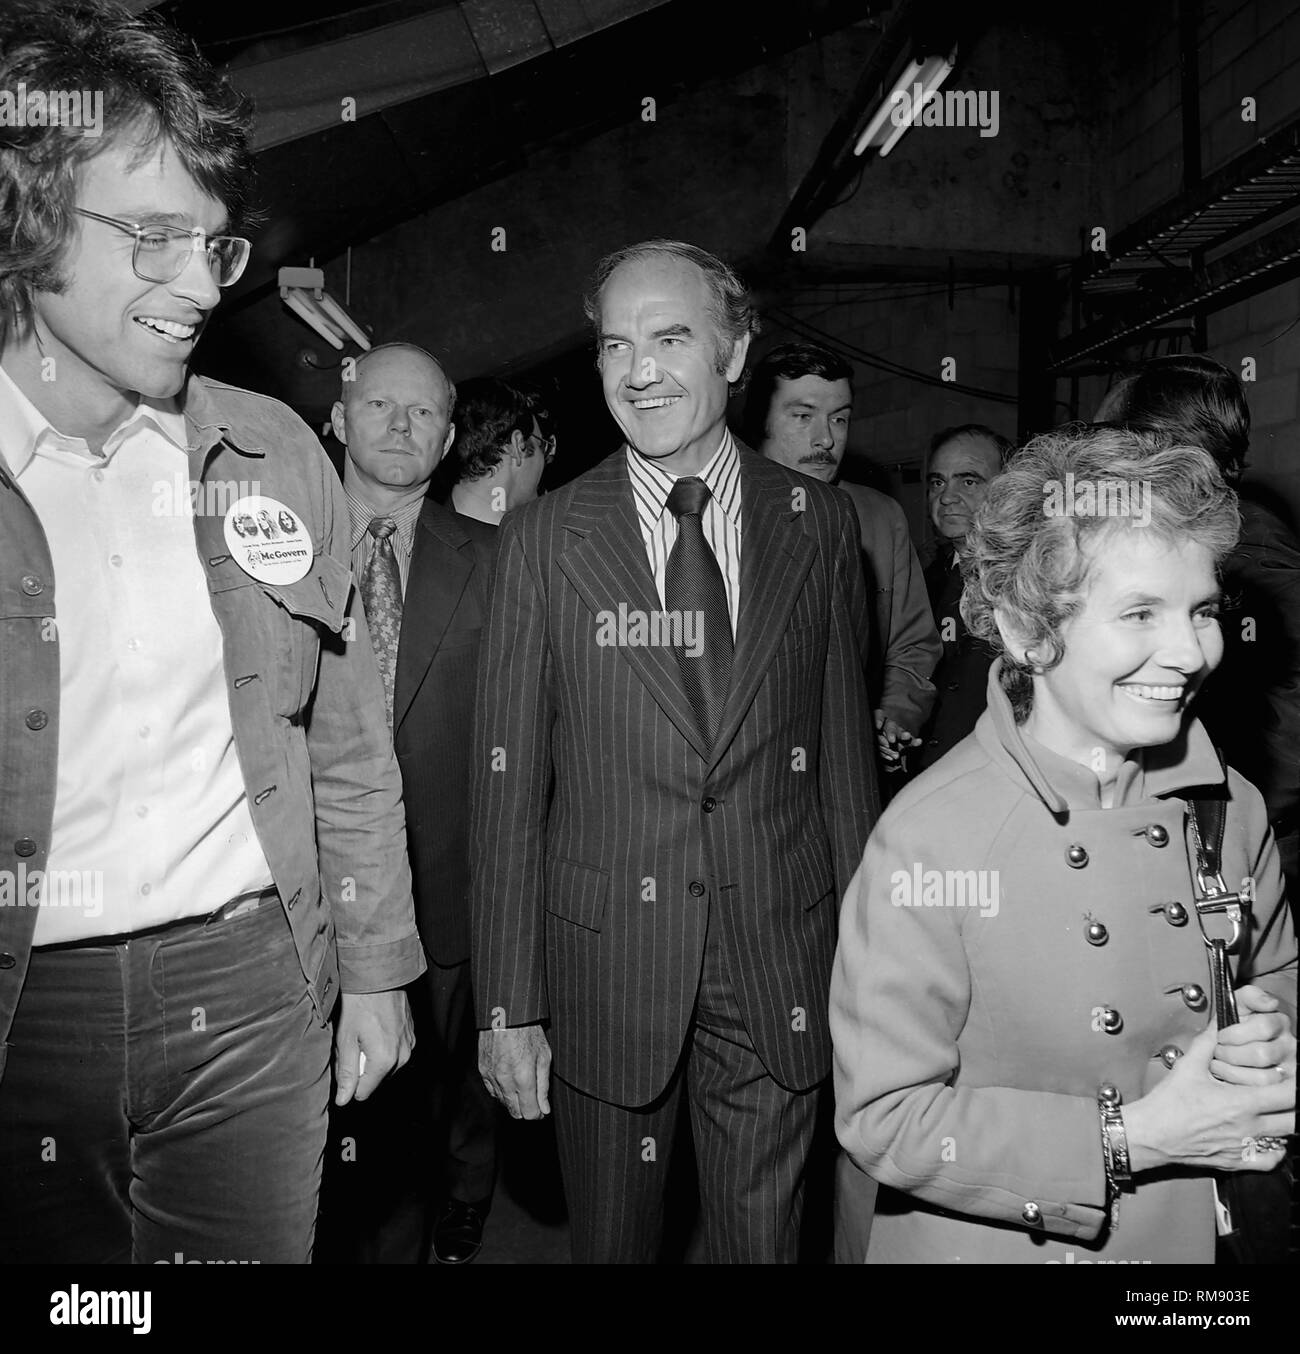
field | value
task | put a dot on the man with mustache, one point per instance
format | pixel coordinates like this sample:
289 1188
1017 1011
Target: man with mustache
798 412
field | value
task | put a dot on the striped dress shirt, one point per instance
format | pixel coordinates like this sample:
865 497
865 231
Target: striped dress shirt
651 486
363 543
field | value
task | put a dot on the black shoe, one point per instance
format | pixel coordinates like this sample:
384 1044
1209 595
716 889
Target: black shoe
458 1233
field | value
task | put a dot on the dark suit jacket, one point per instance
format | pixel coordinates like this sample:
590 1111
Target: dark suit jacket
606 837
433 707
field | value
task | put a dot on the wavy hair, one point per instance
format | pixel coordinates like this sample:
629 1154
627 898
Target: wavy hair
1033 564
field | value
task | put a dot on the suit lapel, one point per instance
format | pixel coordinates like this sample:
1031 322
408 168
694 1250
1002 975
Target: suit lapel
775 556
441 565
607 564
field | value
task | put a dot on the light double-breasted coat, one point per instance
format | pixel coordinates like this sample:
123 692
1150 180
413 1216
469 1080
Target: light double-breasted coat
975 1017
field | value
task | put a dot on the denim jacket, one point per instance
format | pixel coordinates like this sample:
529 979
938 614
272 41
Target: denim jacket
306 704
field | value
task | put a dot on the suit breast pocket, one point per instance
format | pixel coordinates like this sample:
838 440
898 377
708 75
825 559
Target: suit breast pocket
577 893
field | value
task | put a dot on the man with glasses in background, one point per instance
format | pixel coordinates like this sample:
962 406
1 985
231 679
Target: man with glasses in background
201 827
501 449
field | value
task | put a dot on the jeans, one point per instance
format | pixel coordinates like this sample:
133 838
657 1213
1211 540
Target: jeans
165 1098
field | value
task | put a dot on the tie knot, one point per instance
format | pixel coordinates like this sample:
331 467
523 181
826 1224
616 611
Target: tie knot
688 496
381 528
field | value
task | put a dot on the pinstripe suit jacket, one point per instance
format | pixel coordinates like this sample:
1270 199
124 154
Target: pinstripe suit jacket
605 834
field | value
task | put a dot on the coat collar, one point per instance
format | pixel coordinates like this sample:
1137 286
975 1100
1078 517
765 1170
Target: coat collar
1190 762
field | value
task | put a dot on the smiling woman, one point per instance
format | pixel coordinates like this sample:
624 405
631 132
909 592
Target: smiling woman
1021 1076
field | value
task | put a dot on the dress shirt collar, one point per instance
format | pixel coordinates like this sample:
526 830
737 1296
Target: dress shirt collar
24 429
1189 761
362 514
652 484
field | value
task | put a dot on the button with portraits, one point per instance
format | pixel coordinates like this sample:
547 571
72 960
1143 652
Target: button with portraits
1157 835
1096 934
1170 1054
1076 856
1032 1214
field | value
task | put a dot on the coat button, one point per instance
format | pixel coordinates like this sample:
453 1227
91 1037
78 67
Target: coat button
7 961
1076 856
1194 996
1032 1214
709 804
1157 835
32 585
37 719
1109 1095
1175 914
1170 1054
696 889
24 846
1111 1020
1097 933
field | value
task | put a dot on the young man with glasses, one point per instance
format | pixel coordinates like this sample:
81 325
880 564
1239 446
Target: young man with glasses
500 451
199 805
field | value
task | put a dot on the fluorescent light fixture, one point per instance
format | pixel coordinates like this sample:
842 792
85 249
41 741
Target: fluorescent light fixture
917 85
303 291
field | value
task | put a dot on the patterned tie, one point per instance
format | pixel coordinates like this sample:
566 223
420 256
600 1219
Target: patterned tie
693 583
381 594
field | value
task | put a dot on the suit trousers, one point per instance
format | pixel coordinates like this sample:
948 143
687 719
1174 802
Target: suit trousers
463 1109
752 1138
164 1099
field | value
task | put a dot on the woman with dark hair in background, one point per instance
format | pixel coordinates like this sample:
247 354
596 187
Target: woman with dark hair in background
1025 1041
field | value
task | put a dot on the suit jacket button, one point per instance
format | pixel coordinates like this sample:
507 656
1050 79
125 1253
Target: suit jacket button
1194 996
1157 835
709 804
1076 856
1097 933
37 719
7 961
24 846
1032 1214
1170 1054
696 889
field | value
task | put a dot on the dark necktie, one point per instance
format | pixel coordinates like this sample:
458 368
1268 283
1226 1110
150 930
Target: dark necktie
381 593
693 583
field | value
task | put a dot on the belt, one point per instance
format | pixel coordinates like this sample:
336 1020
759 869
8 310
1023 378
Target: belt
238 906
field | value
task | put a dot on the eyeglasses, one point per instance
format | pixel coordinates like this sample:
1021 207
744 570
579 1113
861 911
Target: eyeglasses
162 252
548 445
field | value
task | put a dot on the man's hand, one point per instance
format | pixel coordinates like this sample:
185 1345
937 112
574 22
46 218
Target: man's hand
515 1065
1259 1050
892 739
375 1026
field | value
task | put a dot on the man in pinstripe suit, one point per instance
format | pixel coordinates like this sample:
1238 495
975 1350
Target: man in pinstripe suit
672 786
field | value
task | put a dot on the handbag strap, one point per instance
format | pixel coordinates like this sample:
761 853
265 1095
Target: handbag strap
1208 817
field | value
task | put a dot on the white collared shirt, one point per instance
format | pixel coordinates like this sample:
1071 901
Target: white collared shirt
721 519
150 810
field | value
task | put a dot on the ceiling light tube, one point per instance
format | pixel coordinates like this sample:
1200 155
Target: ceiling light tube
871 132
300 303
933 73
343 320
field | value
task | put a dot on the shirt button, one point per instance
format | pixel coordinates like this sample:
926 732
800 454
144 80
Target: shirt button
32 585
142 810
709 805
1170 1054
115 561
1157 835
696 889
146 890
37 719
1097 933
1032 1214
97 476
133 644
24 846
145 731
1076 856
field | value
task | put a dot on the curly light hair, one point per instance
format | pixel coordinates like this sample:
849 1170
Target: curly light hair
1032 564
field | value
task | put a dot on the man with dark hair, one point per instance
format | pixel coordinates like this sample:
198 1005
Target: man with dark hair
500 450
963 461
798 409
424 575
672 786
1251 705
215 774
